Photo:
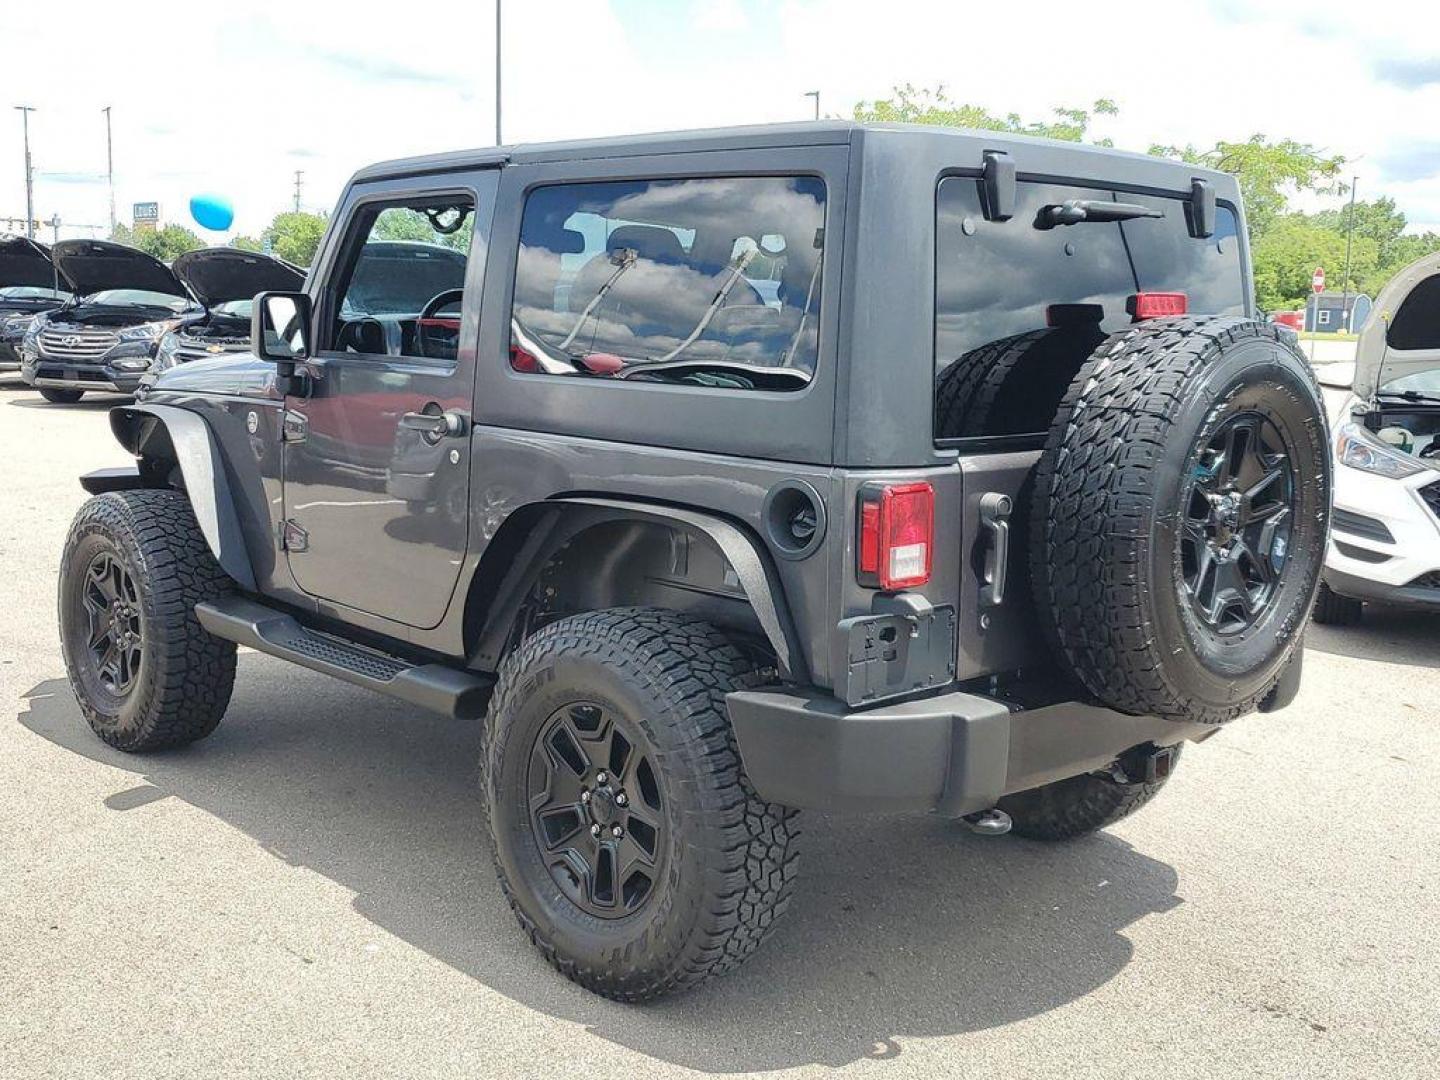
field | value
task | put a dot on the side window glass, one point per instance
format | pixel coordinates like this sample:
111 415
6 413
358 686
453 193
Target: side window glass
401 292
711 281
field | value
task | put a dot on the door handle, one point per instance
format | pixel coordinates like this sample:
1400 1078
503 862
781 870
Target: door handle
434 426
995 509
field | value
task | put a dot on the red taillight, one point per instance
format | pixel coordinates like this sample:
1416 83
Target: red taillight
897 535
520 360
1158 305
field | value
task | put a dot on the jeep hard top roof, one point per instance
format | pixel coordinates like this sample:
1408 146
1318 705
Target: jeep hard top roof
961 146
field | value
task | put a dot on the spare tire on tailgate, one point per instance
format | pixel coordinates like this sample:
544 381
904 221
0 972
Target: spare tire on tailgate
1179 517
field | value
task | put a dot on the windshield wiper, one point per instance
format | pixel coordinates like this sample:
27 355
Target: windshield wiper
1409 395
1074 211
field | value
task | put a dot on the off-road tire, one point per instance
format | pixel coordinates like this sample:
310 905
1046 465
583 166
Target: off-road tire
1078 805
57 396
1332 609
1107 512
732 856
185 674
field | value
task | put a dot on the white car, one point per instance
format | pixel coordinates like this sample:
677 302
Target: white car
1385 531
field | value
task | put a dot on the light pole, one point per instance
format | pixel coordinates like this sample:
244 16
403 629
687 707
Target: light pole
110 166
816 95
1349 231
25 111
497 73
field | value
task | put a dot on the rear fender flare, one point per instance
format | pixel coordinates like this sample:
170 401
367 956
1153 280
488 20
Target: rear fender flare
166 432
558 521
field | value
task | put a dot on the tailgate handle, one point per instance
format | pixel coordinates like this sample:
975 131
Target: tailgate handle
995 509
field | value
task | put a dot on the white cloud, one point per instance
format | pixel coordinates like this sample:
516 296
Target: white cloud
235 103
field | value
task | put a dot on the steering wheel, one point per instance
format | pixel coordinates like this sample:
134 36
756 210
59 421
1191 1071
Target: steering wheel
430 328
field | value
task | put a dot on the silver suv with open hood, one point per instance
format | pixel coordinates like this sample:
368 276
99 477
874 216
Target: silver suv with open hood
225 280
106 335
29 285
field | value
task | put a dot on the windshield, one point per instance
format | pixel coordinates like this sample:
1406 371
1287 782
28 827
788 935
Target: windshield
1417 382
240 309
32 292
138 298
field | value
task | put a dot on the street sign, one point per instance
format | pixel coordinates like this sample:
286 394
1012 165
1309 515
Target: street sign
145 215
1317 282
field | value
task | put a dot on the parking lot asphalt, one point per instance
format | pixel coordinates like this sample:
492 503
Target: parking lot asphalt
305 893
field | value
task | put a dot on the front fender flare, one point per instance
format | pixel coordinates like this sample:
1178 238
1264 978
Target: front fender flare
192 444
563 519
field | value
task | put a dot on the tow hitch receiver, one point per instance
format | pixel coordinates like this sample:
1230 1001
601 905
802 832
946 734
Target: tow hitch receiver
1146 764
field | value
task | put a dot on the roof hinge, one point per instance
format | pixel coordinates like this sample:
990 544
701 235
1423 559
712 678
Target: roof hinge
997 186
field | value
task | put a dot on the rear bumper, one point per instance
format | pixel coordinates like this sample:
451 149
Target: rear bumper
954 754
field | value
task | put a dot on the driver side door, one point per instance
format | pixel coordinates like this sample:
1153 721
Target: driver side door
377 442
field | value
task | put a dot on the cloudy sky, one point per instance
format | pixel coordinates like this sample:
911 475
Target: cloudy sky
235 103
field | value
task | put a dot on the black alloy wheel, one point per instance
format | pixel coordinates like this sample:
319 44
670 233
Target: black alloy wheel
596 810
116 626
1238 517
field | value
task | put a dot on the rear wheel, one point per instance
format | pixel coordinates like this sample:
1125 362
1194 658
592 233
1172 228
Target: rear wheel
145 673
628 841
57 396
1079 805
1332 609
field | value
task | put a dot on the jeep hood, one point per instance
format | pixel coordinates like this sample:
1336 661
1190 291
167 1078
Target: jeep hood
24 262
220 274
91 266
1377 361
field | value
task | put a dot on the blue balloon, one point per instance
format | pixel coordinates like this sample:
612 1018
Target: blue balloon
212 212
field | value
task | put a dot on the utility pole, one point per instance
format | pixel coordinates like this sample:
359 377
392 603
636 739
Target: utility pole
298 174
816 95
25 111
110 166
497 73
1349 231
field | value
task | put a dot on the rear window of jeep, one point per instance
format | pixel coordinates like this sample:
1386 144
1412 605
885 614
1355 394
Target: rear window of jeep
1019 308
711 282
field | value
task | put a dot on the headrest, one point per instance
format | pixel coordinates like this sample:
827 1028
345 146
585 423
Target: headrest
649 241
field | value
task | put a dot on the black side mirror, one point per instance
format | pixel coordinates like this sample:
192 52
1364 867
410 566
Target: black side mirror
280 328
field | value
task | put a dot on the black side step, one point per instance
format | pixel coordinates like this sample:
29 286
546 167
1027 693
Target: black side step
446 690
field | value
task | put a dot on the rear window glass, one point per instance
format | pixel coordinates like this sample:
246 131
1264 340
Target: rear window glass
711 281
1018 308
1417 324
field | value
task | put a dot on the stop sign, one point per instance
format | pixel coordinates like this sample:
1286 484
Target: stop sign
1318 281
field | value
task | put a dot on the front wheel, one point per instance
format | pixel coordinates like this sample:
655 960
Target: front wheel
146 674
1332 609
628 840
57 396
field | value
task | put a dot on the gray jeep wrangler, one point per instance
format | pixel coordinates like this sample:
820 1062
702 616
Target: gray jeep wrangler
722 475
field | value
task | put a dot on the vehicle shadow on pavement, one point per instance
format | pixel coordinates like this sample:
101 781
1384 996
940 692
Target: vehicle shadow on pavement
1393 636
86 404
900 927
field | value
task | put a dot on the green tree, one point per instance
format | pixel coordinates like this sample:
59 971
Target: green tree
295 235
164 244
1286 255
924 105
247 243
1268 172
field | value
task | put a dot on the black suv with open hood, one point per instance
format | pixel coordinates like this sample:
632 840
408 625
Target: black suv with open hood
106 335
28 285
225 280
